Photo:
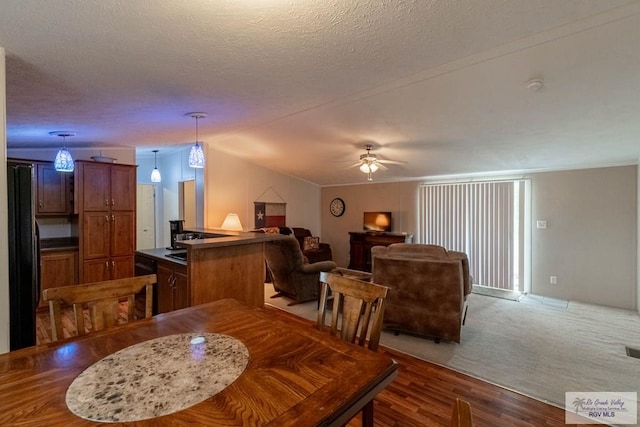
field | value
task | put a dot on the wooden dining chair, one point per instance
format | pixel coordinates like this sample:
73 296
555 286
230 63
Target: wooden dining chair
357 312
102 300
461 414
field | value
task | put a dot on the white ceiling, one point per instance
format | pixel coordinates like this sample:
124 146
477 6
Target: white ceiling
299 86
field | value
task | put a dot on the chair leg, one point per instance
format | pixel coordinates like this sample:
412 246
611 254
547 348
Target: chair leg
464 317
367 414
277 295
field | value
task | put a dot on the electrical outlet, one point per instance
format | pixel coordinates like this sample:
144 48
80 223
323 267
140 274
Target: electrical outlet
541 224
553 280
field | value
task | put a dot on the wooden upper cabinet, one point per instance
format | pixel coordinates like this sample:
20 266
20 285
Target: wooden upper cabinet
107 187
95 186
106 204
53 189
123 194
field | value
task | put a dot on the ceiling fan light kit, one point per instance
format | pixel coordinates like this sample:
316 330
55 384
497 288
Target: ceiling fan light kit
196 155
369 162
63 161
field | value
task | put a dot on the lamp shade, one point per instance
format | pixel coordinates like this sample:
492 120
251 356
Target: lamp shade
196 156
63 161
155 175
368 167
232 223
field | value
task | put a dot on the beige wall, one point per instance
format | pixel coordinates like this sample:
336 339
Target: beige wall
401 199
590 239
233 184
4 247
590 243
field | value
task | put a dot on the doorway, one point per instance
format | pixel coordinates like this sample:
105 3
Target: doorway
187 203
146 216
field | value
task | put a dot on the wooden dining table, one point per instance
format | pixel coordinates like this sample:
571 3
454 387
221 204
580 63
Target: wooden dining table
296 375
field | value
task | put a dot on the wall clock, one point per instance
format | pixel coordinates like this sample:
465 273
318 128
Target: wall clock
337 207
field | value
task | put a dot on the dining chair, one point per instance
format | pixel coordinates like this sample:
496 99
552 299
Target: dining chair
102 300
461 416
357 312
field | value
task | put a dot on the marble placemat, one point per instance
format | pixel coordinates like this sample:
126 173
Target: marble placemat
157 377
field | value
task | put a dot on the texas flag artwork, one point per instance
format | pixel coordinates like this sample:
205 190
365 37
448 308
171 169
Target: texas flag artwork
270 214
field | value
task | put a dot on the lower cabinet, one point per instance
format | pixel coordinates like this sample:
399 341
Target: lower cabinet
173 288
97 270
58 268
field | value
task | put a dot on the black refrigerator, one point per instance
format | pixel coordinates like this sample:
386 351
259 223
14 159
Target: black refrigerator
24 255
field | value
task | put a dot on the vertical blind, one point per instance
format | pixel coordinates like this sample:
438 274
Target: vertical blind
476 218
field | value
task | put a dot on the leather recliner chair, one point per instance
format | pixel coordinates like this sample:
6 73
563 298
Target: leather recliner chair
292 275
429 287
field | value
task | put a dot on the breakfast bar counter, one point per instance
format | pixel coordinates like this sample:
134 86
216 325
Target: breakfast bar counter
230 266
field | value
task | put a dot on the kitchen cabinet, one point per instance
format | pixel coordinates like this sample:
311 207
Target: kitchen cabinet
105 202
58 268
54 190
173 287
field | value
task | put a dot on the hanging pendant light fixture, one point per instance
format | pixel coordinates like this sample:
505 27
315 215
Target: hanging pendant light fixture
155 173
196 155
63 161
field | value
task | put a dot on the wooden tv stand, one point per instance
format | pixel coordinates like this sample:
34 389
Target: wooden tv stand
361 243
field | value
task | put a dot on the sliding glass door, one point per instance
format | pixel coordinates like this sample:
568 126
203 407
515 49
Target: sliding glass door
486 220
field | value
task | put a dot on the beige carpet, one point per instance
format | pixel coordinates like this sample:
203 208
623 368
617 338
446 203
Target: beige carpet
539 349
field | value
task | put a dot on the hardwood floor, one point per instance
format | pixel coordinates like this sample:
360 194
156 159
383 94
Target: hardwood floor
423 393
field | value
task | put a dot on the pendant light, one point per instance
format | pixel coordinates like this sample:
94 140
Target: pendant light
196 155
63 161
155 173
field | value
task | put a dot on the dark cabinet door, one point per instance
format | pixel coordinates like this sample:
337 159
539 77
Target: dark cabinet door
96 270
123 194
95 235
122 267
164 288
181 290
96 187
123 233
53 190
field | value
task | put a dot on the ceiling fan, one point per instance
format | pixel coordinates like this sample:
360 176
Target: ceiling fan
369 163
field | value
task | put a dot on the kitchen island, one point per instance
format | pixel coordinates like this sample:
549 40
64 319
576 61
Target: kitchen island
229 266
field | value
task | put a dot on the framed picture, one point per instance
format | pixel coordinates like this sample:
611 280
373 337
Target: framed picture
270 214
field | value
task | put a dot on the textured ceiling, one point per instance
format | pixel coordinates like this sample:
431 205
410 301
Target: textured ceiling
301 86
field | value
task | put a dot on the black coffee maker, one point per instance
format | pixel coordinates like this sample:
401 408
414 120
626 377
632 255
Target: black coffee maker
176 227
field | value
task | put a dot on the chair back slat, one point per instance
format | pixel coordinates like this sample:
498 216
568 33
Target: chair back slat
358 304
102 299
461 416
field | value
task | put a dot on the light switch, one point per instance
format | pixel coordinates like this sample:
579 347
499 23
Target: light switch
541 224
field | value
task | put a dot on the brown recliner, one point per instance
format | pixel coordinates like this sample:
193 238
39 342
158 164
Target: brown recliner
429 286
292 275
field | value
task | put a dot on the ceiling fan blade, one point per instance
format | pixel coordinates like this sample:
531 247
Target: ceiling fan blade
392 162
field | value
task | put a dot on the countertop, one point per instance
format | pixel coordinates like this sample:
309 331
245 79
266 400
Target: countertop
59 244
233 238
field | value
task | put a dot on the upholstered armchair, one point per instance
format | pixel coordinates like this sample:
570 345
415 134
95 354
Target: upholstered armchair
429 286
292 275
321 251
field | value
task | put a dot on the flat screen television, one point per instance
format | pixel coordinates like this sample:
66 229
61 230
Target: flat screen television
377 221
